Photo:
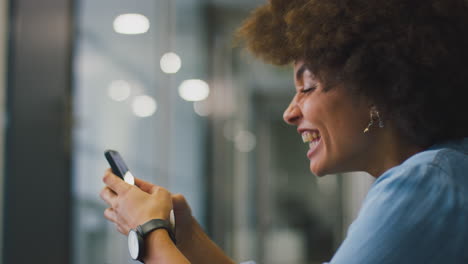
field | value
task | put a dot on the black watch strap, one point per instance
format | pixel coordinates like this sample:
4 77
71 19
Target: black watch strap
155 224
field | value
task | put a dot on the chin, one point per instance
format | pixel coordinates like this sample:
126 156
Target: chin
321 165
320 175
321 170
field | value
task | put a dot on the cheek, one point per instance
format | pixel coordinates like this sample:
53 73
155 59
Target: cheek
347 146
345 131
343 138
313 112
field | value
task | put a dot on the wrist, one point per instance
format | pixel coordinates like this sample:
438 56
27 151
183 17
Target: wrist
157 245
196 246
138 238
188 235
158 238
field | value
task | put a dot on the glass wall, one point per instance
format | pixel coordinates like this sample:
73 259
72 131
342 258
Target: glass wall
242 169
123 100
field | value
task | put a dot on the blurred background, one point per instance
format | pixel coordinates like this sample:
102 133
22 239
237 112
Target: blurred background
162 83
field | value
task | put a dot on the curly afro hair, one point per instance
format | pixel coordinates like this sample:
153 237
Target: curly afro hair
409 57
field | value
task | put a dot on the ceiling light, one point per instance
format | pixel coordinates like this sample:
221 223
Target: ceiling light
245 141
144 106
201 108
119 90
170 63
131 24
194 90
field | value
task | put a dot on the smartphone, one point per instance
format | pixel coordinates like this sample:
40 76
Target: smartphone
118 166
120 169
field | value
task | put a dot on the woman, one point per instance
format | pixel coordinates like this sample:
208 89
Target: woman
380 86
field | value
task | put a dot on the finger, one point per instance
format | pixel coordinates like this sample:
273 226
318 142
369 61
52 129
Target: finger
181 206
115 183
122 230
148 187
108 196
143 185
110 215
179 203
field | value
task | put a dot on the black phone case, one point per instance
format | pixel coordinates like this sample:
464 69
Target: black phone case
116 162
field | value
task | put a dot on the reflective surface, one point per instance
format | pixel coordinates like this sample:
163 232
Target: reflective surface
3 73
241 167
158 134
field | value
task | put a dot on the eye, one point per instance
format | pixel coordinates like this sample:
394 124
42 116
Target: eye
309 89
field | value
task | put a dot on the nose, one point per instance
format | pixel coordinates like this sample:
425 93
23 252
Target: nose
293 113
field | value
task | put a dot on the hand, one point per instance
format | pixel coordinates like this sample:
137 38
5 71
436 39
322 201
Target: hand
185 223
131 206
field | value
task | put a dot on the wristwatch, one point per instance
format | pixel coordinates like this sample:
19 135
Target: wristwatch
136 236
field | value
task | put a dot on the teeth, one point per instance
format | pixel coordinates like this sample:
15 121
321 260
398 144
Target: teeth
314 135
307 137
313 144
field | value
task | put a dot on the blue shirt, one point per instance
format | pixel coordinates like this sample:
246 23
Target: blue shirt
416 212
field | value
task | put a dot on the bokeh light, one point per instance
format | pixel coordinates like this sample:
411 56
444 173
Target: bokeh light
119 90
202 108
170 63
245 141
131 24
144 106
194 90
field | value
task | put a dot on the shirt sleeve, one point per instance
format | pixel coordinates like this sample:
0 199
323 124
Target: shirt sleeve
408 216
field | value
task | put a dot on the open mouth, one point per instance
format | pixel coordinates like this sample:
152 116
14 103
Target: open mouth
312 138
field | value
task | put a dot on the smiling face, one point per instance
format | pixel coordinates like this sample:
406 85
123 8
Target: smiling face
331 123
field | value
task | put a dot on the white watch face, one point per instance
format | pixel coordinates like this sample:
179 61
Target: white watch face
133 246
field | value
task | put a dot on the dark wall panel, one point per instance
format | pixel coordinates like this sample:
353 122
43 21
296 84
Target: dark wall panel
37 179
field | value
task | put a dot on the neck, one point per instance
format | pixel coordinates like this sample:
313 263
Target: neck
391 151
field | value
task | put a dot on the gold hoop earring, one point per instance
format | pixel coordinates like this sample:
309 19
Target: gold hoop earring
374 117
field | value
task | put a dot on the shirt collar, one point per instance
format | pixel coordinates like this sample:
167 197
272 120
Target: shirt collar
458 144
